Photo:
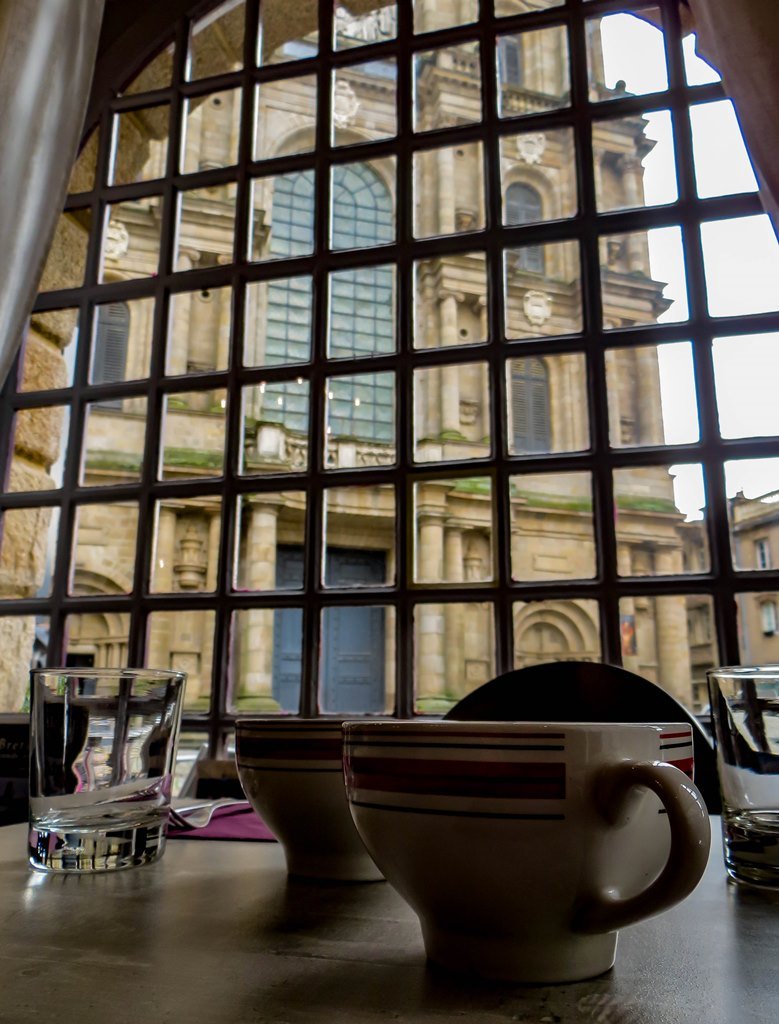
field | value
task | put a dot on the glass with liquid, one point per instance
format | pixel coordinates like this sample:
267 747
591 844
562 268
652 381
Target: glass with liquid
102 751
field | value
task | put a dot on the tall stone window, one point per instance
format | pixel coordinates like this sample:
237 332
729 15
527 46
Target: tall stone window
112 332
530 406
524 206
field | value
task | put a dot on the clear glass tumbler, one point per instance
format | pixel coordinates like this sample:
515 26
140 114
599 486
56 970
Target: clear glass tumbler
745 718
102 752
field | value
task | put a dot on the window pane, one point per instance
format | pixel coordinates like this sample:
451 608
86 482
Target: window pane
284 39
659 533
212 125
184 641
533 71
281 222
752 486
697 71
758 618
49 351
363 206
185 552
67 255
452 413
359 536
361 312
651 395
364 102
360 418
216 42
103 557
266 660
634 159
140 145
277 328
547 404
114 436
193 434
538 176
746 371
190 747
131 241
24 641
642 277
199 331
626 54
280 104
357 666
270 530
556 631
552 536
28 541
722 164
454 653
121 341
275 427
39 443
97 639
460 552
195 247
375 26
430 15
448 190
439 104
741 261
543 290
435 323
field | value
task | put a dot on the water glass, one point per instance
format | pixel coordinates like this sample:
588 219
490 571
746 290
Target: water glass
745 718
102 752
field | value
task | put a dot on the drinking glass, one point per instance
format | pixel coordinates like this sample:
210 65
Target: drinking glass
745 718
102 751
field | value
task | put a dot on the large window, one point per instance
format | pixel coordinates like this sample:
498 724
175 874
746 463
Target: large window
380 351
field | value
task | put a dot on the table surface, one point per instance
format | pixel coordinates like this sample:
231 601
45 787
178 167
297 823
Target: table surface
215 932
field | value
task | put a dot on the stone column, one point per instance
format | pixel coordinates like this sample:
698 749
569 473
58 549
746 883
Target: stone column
222 355
212 563
673 649
650 410
454 683
450 375
627 607
177 355
255 686
431 664
445 190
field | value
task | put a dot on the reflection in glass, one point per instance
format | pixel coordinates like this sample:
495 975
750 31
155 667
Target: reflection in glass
746 369
97 639
357 664
361 312
140 145
741 263
121 341
533 71
185 552
212 125
360 418
642 278
454 652
543 290
452 412
443 318
274 432
131 241
556 631
371 560
538 176
43 369
552 536
284 39
278 106
277 328
722 164
216 41
193 434
364 102
651 395
266 660
103 556
281 218
214 206
363 205
658 532
184 641
28 540
435 104
270 523
547 404
457 552
626 54
199 331
448 190
40 435
114 436
634 157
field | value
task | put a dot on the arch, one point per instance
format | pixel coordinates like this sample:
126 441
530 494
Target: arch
565 620
530 415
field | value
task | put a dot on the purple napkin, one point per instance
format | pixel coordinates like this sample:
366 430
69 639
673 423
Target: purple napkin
233 821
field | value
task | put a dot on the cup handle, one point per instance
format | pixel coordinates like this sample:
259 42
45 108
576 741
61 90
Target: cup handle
690 841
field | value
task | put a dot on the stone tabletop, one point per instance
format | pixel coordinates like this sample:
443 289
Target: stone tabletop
215 933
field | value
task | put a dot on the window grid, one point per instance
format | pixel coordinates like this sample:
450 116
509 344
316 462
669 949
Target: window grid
608 587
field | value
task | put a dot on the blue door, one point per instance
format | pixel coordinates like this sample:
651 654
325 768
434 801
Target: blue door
352 637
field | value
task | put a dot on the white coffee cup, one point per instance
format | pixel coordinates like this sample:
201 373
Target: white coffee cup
502 836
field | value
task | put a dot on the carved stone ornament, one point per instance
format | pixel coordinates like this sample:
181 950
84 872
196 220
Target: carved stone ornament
345 104
530 147
117 240
366 28
538 307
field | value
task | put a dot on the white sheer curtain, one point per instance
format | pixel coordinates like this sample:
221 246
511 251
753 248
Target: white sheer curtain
47 57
